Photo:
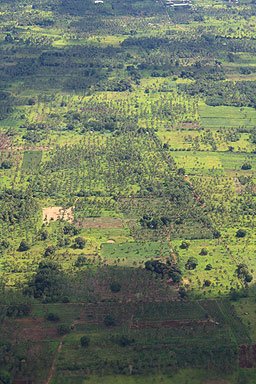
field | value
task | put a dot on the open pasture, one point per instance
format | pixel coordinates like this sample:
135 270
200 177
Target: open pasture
134 254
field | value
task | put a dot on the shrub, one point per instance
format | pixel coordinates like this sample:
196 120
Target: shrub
43 234
241 233
5 378
63 329
79 242
85 341
234 295
52 317
185 244
124 341
80 261
208 267
115 287
65 299
248 278
182 292
6 164
203 252
70 229
207 283
4 244
246 166
176 277
18 310
109 321
216 234
49 251
24 246
191 263
243 273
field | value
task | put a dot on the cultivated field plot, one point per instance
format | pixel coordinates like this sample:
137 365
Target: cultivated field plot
101 222
228 117
31 159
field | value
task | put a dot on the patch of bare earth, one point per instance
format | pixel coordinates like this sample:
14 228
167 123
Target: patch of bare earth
31 330
216 381
4 141
55 213
187 125
170 323
111 241
38 334
101 222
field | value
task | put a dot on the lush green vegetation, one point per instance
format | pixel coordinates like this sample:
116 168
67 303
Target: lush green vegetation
127 191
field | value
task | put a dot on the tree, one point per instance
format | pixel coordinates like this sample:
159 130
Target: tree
243 273
80 261
234 294
4 244
63 329
207 283
49 251
85 341
5 377
176 277
248 278
124 341
164 270
53 317
191 263
182 292
203 252
208 267
18 310
43 234
181 171
79 242
47 281
24 246
216 234
184 244
6 164
241 233
115 287
109 321
246 166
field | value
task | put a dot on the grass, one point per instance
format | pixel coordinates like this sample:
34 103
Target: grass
136 253
31 159
195 377
222 275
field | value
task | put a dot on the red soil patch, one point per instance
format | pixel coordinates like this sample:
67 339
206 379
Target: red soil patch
101 222
216 381
31 329
30 322
170 323
187 125
28 148
4 141
38 334
247 356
